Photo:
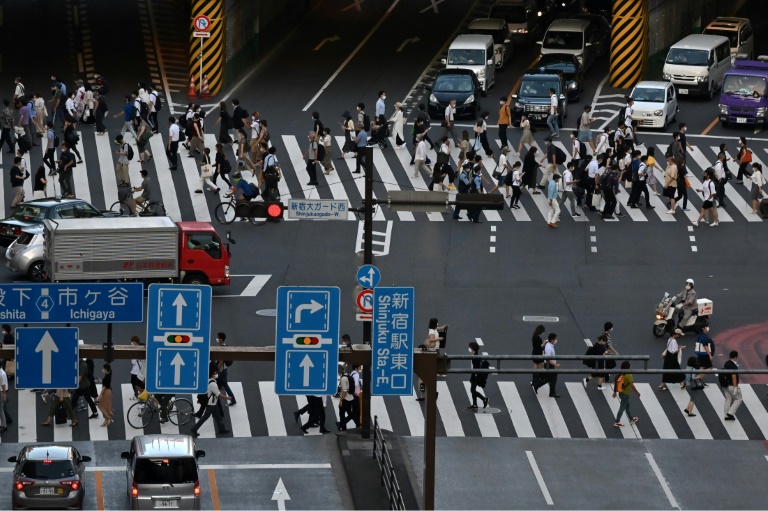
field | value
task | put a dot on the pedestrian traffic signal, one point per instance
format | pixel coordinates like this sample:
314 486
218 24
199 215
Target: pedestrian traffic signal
275 209
178 339
271 210
307 341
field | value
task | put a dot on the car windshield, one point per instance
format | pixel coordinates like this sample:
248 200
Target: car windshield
47 469
563 40
536 88
29 212
686 57
510 13
165 470
744 85
470 57
732 35
453 83
648 95
566 66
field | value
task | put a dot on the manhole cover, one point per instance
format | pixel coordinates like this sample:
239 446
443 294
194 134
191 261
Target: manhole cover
541 319
267 312
486 411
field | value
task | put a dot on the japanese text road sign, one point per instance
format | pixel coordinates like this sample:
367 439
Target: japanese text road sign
392 364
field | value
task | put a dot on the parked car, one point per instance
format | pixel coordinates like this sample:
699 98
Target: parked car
502 39
739 32
533 97
569 66
33 212
48 476
655 104
459 84
26 255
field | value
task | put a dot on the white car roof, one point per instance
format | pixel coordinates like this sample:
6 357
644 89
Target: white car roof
652 84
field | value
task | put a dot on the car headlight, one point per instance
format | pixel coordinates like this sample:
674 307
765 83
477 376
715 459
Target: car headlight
481 73
658 113
700 79
470 99
760 112
519 106
723 109
432 98
580 58
572 85
666 76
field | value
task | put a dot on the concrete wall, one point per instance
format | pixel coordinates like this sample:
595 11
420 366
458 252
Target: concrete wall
671 20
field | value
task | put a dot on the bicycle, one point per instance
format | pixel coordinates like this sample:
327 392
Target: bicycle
139 415
227 211
124 208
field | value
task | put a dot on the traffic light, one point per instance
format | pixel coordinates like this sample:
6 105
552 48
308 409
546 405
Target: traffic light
307 341
275 209
270 210
178 339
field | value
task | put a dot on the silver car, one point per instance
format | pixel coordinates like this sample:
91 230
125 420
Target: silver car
26 255
48 476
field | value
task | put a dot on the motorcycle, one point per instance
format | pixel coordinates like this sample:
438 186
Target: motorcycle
669 311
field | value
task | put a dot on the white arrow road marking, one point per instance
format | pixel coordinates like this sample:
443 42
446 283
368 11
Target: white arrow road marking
177 362
280 495
306 364
405 43
179 303
311 307
327 40
46 345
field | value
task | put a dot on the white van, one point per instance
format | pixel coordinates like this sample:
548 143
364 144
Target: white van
475 52
697 64
502 39
572 36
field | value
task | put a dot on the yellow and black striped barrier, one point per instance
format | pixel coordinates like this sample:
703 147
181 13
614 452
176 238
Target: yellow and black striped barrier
211 79
629 42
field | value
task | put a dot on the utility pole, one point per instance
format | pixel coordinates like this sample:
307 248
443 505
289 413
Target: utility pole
365 406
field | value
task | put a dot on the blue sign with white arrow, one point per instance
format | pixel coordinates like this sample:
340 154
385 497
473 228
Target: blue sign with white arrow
368 276
46 358
307 340
178 338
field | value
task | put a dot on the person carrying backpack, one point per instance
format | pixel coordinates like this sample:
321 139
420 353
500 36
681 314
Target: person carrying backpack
477 379
623 386
211 405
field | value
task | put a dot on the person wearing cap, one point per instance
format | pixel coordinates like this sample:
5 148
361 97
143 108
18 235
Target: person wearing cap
670 361
757 186
397 125
554 204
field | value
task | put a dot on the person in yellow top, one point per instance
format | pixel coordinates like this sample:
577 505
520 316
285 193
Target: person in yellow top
624 385
505 118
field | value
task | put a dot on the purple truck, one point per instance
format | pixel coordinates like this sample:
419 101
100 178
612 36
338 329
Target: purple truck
743 97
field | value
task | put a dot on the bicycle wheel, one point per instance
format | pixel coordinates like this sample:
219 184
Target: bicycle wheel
225 213
155 209
139 415
181 411
121 207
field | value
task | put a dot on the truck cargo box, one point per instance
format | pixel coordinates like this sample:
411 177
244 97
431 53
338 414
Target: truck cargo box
118 248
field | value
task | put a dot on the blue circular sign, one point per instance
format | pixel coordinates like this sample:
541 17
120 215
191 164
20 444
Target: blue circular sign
368 276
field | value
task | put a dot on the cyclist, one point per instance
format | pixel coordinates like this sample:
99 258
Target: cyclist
163 401
146 192
243 190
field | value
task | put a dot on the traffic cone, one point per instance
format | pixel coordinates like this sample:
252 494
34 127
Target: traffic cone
205 92
191 94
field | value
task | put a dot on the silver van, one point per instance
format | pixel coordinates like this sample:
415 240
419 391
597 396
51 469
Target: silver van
572 36
162 472
739 33
474 52
697 64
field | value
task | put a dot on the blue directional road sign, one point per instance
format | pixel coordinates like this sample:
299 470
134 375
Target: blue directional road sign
178 338
393 341
46 358
93 302
307 340
368 276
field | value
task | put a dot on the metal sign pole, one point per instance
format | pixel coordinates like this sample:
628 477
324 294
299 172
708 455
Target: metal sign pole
200 78
367 259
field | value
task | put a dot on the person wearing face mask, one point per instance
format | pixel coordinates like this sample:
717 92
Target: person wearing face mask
211 407
688 296
549 363
704 349
381 107
481 132
504 120
477 379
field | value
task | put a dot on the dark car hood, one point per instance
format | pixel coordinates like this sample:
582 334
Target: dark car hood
533 101
446 97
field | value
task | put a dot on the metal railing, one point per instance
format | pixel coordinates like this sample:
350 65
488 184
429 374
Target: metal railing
388 477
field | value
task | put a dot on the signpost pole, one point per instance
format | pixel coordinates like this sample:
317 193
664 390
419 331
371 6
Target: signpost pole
365 407
109 346
200 79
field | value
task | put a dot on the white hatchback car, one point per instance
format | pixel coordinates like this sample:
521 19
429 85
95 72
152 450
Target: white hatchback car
655 104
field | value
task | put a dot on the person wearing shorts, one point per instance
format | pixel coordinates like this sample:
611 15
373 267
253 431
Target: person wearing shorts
585 133
708 191
145 189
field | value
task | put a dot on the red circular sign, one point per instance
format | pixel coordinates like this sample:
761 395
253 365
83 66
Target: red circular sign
202 23
365 301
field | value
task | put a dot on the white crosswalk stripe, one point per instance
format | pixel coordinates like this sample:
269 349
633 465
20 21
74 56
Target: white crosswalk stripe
578 413
393 173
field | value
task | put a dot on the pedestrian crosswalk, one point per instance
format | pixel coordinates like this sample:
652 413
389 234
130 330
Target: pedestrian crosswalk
519 412
94 180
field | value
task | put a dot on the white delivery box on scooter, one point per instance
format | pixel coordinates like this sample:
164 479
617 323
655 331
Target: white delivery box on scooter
705 306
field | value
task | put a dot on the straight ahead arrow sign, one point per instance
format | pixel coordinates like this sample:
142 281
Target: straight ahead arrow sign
307 365
46 345
327 40
179 303
280 495
405 43
177 362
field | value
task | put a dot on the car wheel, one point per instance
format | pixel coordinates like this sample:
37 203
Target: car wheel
37 272
711 91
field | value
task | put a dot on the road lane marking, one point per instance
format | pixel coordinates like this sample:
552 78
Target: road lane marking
485 422
516 409
655 412
351 56
99 490
214 489
711 125
448 413
662 481
539 478
585 410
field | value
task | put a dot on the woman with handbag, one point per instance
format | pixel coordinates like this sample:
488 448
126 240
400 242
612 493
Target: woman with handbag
349 135
503 169
527 137
670 183
670 356
693 387
481 133
530 168
222 166
206 172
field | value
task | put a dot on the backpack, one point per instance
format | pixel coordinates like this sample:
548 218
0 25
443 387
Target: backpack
182 136
143 109
366 123
590 363
229 363
482 378
158 102
128 151
618 383
320 152
560 155
622 115
603 181
55 141
582 149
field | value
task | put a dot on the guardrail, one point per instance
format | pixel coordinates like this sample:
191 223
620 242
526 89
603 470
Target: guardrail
388 477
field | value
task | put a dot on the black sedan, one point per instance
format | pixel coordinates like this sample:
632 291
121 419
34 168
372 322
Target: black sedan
33 212
459 84
569 66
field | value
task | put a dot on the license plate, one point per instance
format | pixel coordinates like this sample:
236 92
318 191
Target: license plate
167 503
539 117
741 120
682 91
47 490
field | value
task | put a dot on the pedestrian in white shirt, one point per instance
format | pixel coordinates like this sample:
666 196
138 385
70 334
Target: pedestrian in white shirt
707 191
504 169
398 121
552 117
757 186
567 183
40 114
172 151
420 157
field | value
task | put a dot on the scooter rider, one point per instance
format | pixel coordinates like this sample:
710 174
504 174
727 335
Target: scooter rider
688 296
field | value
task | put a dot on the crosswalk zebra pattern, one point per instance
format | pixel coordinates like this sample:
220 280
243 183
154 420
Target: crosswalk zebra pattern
94 180
580 413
